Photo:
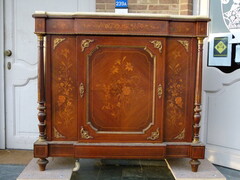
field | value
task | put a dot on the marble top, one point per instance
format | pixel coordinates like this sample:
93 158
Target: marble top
114 15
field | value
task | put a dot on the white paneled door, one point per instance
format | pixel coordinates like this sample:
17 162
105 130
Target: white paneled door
221 98
222 112
21 66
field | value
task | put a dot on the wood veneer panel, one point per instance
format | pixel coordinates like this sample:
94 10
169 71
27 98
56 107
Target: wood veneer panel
121 80
60 150
64 88
120 152
178 151
179 95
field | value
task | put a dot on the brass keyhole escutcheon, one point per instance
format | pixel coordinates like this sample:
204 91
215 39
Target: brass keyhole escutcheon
9 65
81 89
159 91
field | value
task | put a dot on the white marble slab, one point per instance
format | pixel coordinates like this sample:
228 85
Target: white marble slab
58 168
181 170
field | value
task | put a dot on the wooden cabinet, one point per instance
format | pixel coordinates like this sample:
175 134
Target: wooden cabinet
113 86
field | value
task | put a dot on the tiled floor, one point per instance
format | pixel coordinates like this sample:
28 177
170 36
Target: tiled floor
12 163
230 174
10 172
122 170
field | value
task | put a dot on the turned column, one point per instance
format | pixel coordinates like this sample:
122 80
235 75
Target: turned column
197 102
42 162
198 93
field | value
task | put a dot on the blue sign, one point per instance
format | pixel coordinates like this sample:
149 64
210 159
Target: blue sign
121 4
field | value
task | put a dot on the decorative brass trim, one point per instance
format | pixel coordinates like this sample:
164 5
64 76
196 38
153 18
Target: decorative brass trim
57 41
85 43
84 134
57 134
40 37
181 135
185 44
157 44
200 40
160 91
81 89
154 135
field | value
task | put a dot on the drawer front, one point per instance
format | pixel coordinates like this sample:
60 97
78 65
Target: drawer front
121 81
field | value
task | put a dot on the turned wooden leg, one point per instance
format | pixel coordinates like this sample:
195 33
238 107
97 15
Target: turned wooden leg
194 163
42 162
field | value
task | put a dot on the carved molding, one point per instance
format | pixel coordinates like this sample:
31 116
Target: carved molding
57 134
181 135
154 135
57 41
84 134
157 44
185 44
85 43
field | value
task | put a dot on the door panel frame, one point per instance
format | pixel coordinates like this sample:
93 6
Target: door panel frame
2 79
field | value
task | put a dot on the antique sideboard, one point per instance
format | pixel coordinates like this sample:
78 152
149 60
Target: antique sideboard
119 86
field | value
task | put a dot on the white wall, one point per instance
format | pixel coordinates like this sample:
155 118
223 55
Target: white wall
87 5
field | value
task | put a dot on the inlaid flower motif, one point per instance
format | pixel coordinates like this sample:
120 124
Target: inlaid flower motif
175 101
61 100
179 102
115 70
129 66
121 89
126 90
64 86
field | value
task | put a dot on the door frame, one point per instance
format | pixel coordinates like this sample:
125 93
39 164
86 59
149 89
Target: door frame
204 11
2 79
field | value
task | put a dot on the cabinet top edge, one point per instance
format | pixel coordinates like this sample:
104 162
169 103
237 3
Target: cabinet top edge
89 15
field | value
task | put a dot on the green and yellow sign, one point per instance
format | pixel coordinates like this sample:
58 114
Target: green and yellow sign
220 47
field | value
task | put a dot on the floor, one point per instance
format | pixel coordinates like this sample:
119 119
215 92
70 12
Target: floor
12 163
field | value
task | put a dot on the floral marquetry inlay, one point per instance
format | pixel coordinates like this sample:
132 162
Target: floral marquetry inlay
175 91
65 89
120 85
122 89
116 26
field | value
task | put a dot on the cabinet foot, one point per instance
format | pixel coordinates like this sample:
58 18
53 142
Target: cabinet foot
42 162
194 164
77 166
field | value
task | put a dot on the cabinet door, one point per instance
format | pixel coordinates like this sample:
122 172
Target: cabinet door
121 81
